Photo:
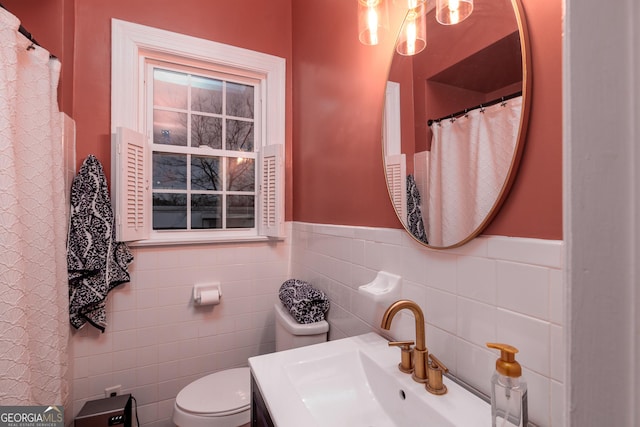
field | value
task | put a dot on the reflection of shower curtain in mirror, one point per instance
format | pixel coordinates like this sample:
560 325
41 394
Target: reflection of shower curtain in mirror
470 159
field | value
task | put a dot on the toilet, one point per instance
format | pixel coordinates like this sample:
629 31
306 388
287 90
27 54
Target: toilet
223 399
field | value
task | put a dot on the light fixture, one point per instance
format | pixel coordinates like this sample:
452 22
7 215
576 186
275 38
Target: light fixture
449 12
372 20
413 34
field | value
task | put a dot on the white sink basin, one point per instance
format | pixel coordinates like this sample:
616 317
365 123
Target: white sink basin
355 382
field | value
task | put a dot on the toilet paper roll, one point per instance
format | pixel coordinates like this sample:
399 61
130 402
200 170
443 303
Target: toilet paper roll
211 297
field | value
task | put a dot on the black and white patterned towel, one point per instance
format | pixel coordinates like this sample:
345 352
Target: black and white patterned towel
414 213
96 263
305 303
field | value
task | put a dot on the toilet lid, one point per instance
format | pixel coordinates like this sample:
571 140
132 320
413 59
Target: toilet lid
222 393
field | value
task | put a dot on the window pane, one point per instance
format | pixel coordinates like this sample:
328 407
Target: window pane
205 173
239 100
206 131
206 95
206 211
169 171
169 211
169 128
241 174
169 89
240 212
239 135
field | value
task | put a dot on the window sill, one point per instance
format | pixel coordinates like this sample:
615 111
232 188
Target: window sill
202 241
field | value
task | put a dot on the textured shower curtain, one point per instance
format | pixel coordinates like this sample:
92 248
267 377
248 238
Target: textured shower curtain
33 289
470 158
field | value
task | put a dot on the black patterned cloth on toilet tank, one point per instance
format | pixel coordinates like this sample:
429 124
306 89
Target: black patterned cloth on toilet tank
305 303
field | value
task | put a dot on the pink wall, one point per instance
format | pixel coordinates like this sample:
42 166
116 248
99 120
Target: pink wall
338 91
79 33
252 24
336 88
256 25
51 23
534 206
338 96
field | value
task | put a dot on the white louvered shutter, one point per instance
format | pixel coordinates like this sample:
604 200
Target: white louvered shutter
272 191
396 169
130 186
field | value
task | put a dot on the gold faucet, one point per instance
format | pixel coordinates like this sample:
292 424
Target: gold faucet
420 352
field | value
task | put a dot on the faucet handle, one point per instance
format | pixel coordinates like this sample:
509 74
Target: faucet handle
406 355
437 363
435 384
404 345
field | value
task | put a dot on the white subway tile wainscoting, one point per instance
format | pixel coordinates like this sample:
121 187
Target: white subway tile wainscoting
492 289
157 341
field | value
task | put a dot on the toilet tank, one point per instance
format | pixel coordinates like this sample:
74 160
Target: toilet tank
291 334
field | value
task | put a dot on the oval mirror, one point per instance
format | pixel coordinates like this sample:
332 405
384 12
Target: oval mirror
455 120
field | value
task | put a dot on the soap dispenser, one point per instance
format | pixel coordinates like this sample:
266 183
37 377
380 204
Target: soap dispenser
508 390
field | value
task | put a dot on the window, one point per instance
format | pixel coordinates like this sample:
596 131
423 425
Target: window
199 136
203 156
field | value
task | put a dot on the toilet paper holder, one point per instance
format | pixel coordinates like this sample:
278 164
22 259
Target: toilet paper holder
204 289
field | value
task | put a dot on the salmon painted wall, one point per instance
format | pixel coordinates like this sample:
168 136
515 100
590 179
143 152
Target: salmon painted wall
534 205
338 93
251 24
51 23
334 158
338 96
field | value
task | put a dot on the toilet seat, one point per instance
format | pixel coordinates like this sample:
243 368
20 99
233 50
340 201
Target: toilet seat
219 394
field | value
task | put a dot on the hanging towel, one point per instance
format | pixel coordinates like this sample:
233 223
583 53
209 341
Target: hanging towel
96 263
305 303
414 213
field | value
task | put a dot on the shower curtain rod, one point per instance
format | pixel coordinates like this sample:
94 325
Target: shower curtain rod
28 35
483 105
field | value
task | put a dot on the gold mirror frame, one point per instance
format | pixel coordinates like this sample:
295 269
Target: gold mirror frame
519 145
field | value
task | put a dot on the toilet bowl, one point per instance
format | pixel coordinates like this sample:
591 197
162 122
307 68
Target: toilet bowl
223 399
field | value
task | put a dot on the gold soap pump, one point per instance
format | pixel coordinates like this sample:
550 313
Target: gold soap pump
508 390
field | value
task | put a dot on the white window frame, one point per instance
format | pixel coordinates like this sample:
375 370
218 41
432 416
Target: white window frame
132 45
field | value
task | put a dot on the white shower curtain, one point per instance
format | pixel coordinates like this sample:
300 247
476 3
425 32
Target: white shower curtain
470 158
33 291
